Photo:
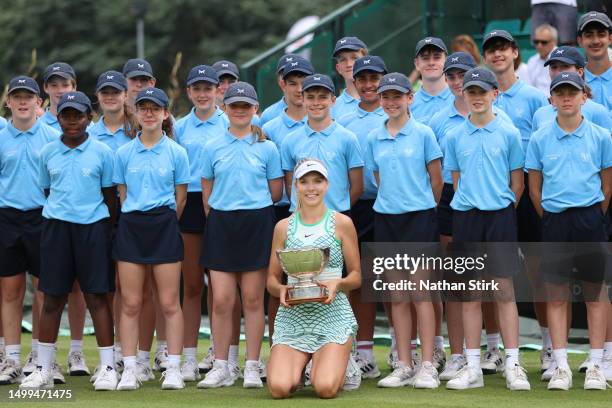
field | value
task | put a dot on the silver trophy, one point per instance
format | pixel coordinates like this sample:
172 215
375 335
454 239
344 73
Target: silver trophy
304 264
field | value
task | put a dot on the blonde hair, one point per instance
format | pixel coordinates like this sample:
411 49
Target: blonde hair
466 43
298 204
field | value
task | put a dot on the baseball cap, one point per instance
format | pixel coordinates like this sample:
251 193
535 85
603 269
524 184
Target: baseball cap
113 79
60 69
567 55
307 166
496 34
594 17
23 82
459 60
395 81
202 73
282 61
570 78
300 65
348 44
240 92
137 67
433 41
225 67
155 95
77 100
480 77
369 63
319 80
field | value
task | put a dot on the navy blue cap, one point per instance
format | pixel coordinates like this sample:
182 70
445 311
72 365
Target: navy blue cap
282 61
430 41
496 34
155 95
23 82
480 77
570 78
113 79
202 73
348 44
77 100
240 92
319 80
299 64
459 60
137 67
225 67
567 55
395 81
369 63
594 17
60 69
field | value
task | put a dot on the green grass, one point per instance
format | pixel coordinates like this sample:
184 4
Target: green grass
494 395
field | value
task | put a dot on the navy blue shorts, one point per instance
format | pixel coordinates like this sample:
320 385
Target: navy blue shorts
20 241
414 226
529 222
281 212
150 237
445 212
193 218
362 215
70 251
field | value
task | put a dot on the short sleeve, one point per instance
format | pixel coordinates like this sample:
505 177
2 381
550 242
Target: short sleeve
43 174
602 117
107 168
369 153
353 151
606 151
273 165
516 155
450 160
533 159
181 166
207 170
432 148
118 169
287 159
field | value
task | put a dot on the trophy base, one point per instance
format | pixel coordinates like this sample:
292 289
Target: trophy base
298 295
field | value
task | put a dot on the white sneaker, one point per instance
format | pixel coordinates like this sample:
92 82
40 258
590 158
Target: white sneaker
307 371
369 368
560 380
546 359
144 372
583 366
516 378
76 364
548 374
207 362
107 379
31 363
439 358
2 357
173 380
352 375
39 379
607 367
11 373
251 376
263 371
58 377
452 367
234 370
160 362
427 376
401 376
392 359
594 378
94 376
119 364
190 371
492 362
129 380
218 376
466 378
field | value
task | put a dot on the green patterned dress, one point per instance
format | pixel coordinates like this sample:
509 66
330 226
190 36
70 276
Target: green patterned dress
309 326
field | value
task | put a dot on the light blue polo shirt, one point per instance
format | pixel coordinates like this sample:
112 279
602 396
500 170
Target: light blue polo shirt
240 168
424 105
521 102
570 164
401 163
484 157
601 86
273 111
19 165
592 111
150 174
361 123
114 140
50 120
3 123
446 120
345 104
76 178
192 133
276 130
337 147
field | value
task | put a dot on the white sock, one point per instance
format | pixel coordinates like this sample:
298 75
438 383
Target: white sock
439 342
161 345
596 356
13 353
561 358
144 357
608 349
1 342
107 356
473 358
221 362
546 340
365 350
190 353
46 355
512 357
393 339
35 346
252 363
493 341
129 362
233 354
174 360
413 347
456 356
76 345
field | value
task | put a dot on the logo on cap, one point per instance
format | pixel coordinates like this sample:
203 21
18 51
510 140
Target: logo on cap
593 15
391 79
240 90
149 92
493 33
476 75
294 64
140 65
224 65
455 59
201 71
559 51
564 76
70 97
110 76
316 78
56 68
288 59
366 61
342 41
428 40
21 81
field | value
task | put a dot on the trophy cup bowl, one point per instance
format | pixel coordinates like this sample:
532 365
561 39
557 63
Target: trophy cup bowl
304 264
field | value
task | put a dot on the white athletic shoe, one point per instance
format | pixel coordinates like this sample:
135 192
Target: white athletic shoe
594 378
352 375
251 376
369 368
190 371
218 376
560 380
94 376
516 378
439 358
234 370
548 374
583 366
452 367
466 378
263 371
144 372
173 380
76 364
607 367
107 379
160 362
426 376
307 371
207 362
11 373
492 362
546 359
129 380
2 357
58 377
392 359
31 363
119 364
39 379
402 375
